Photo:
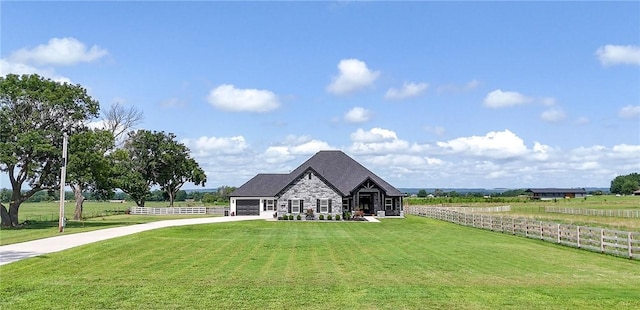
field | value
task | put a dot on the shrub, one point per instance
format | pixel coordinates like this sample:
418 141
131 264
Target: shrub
279 218
290 217
321 217
328 217
299 217
337 217
347 216
309 214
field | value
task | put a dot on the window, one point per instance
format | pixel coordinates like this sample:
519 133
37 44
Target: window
345 204
388 204
295 206
270 205
324 205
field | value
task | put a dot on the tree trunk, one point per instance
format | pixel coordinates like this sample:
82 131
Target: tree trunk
14 206
171 195
4 215
77 192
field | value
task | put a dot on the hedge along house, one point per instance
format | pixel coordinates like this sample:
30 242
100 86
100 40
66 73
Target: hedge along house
330 182
555 193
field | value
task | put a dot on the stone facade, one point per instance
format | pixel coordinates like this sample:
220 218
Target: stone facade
309 188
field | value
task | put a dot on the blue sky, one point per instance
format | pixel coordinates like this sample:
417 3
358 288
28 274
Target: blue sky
424 94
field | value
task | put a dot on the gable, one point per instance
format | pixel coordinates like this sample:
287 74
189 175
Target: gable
343 172
309 185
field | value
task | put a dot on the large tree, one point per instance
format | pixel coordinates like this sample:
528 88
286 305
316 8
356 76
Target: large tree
34 112
625 184
154 158
176 167
89 168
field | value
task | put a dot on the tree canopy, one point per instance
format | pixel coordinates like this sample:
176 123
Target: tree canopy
34 112
625 184
154 158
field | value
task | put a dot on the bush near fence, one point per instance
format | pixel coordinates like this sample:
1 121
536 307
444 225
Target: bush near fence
614 242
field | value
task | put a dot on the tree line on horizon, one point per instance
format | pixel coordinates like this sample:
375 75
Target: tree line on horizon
35 115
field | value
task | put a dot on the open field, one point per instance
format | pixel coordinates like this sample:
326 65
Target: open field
48 211
592 202
411 263
536 210
43 219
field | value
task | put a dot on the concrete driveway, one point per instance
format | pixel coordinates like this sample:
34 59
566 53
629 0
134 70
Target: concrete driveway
15 252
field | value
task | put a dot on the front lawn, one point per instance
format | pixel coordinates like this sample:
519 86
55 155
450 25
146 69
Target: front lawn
414 263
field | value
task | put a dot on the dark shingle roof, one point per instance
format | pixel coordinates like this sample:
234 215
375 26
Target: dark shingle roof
557 190
262 185
336 167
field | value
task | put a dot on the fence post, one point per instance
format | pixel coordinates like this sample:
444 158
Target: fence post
601 240
578 237
629 244
558 233
541 231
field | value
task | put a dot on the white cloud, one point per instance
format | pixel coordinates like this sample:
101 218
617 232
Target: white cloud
209 146
293 147
357 115
8 67
553 115
354 75
408 90
610 55
373 135
501 99
629 112
495 144
310 147
227 97
58 52
377 141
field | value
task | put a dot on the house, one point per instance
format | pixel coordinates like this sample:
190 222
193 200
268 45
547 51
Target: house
636 193
330 182
555 193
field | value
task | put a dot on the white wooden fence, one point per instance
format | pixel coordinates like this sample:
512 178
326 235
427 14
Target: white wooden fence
167 211
614 242
595 212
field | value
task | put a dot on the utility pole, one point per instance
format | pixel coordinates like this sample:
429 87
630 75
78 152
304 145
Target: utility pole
63 175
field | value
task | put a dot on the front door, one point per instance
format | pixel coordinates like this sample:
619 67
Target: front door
365 203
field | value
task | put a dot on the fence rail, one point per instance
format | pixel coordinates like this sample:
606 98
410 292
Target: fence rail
595 212
167 211
218 211
614 242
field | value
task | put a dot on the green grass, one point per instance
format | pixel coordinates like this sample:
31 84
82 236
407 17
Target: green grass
43 219
414 263
45 229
